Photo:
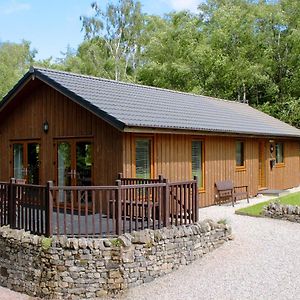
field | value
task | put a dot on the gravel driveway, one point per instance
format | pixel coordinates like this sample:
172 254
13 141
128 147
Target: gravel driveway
262 262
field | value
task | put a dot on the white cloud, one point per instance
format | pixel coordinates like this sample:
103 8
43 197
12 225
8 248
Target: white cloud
14 6
184 4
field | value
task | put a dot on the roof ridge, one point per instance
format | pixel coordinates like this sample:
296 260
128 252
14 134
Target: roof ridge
135 85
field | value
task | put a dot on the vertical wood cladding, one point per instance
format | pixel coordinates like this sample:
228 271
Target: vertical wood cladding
113 151
24 117
172 159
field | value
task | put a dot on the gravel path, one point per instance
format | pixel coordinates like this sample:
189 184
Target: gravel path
262 262
6 294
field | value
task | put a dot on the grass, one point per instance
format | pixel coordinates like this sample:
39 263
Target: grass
255 210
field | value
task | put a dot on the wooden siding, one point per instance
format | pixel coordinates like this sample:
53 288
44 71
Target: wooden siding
37 103
172 159
113 151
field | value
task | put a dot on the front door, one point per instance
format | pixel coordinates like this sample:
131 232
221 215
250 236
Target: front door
26 161
74 161
262 165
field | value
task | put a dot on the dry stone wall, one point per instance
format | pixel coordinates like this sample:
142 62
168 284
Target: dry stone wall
283 212
74 268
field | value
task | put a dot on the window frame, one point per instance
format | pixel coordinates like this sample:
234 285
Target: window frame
200 188
242 167
279 164
143 137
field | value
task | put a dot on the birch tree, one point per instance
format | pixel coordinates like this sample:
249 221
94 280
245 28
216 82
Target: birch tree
120 27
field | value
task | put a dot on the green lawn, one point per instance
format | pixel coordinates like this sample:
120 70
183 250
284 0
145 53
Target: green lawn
255 210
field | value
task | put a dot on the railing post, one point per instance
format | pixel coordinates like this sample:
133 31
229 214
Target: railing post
166 205
48 209
120 176
160 178
11 204
118 208
196 200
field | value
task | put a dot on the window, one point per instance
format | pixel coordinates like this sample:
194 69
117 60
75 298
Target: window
197 162
143 158
239 154
279 153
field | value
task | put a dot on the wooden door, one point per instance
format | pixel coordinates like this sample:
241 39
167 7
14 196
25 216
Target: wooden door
26 161
74 167
74 162
262 165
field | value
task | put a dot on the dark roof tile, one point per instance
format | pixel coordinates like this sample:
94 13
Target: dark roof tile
142 106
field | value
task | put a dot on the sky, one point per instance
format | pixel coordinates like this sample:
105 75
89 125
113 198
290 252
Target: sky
53 25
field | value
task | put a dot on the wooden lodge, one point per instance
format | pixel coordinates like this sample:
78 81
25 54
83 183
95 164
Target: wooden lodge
80 131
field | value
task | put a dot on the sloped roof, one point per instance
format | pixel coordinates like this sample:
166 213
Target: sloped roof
132 105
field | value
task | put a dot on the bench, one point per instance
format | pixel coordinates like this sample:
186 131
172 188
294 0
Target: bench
227 191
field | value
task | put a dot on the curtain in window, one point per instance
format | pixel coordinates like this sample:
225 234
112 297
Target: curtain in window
197 162
239 153
143 158
18 161
279 153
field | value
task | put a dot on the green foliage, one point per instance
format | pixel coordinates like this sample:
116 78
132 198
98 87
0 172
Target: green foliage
223 221
118 33
15 60
286 110
170 43
46 243
116 242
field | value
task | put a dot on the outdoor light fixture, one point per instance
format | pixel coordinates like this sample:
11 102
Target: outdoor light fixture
46 126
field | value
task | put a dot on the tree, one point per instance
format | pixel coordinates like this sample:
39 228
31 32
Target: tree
120 28
169 45
234 51
91 58
15 60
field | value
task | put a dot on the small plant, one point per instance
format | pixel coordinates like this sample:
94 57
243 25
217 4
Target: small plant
46 243
83 262
116 242
149 245
222 221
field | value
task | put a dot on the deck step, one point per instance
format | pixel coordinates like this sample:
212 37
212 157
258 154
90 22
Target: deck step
273 192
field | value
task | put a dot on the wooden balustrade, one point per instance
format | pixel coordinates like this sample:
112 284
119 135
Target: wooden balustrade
131 204
4 194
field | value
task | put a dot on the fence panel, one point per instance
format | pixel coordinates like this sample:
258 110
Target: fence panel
4 188
136 181
183 204
29 208
84 211
142 206
98 210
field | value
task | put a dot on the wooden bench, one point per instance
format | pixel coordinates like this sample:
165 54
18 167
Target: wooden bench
227 191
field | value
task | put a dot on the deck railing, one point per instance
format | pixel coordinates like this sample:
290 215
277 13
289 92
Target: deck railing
24 206
4 191
131 181
98 210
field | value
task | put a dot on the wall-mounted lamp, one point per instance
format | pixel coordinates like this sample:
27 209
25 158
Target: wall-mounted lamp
271 148
46 126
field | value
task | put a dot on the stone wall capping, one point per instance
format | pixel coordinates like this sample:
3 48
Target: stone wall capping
276 210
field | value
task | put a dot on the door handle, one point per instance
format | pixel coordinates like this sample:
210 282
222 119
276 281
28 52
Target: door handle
73 174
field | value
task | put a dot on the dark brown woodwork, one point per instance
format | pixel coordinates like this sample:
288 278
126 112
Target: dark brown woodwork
23 118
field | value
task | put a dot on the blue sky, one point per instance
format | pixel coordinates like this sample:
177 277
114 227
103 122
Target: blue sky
54 24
